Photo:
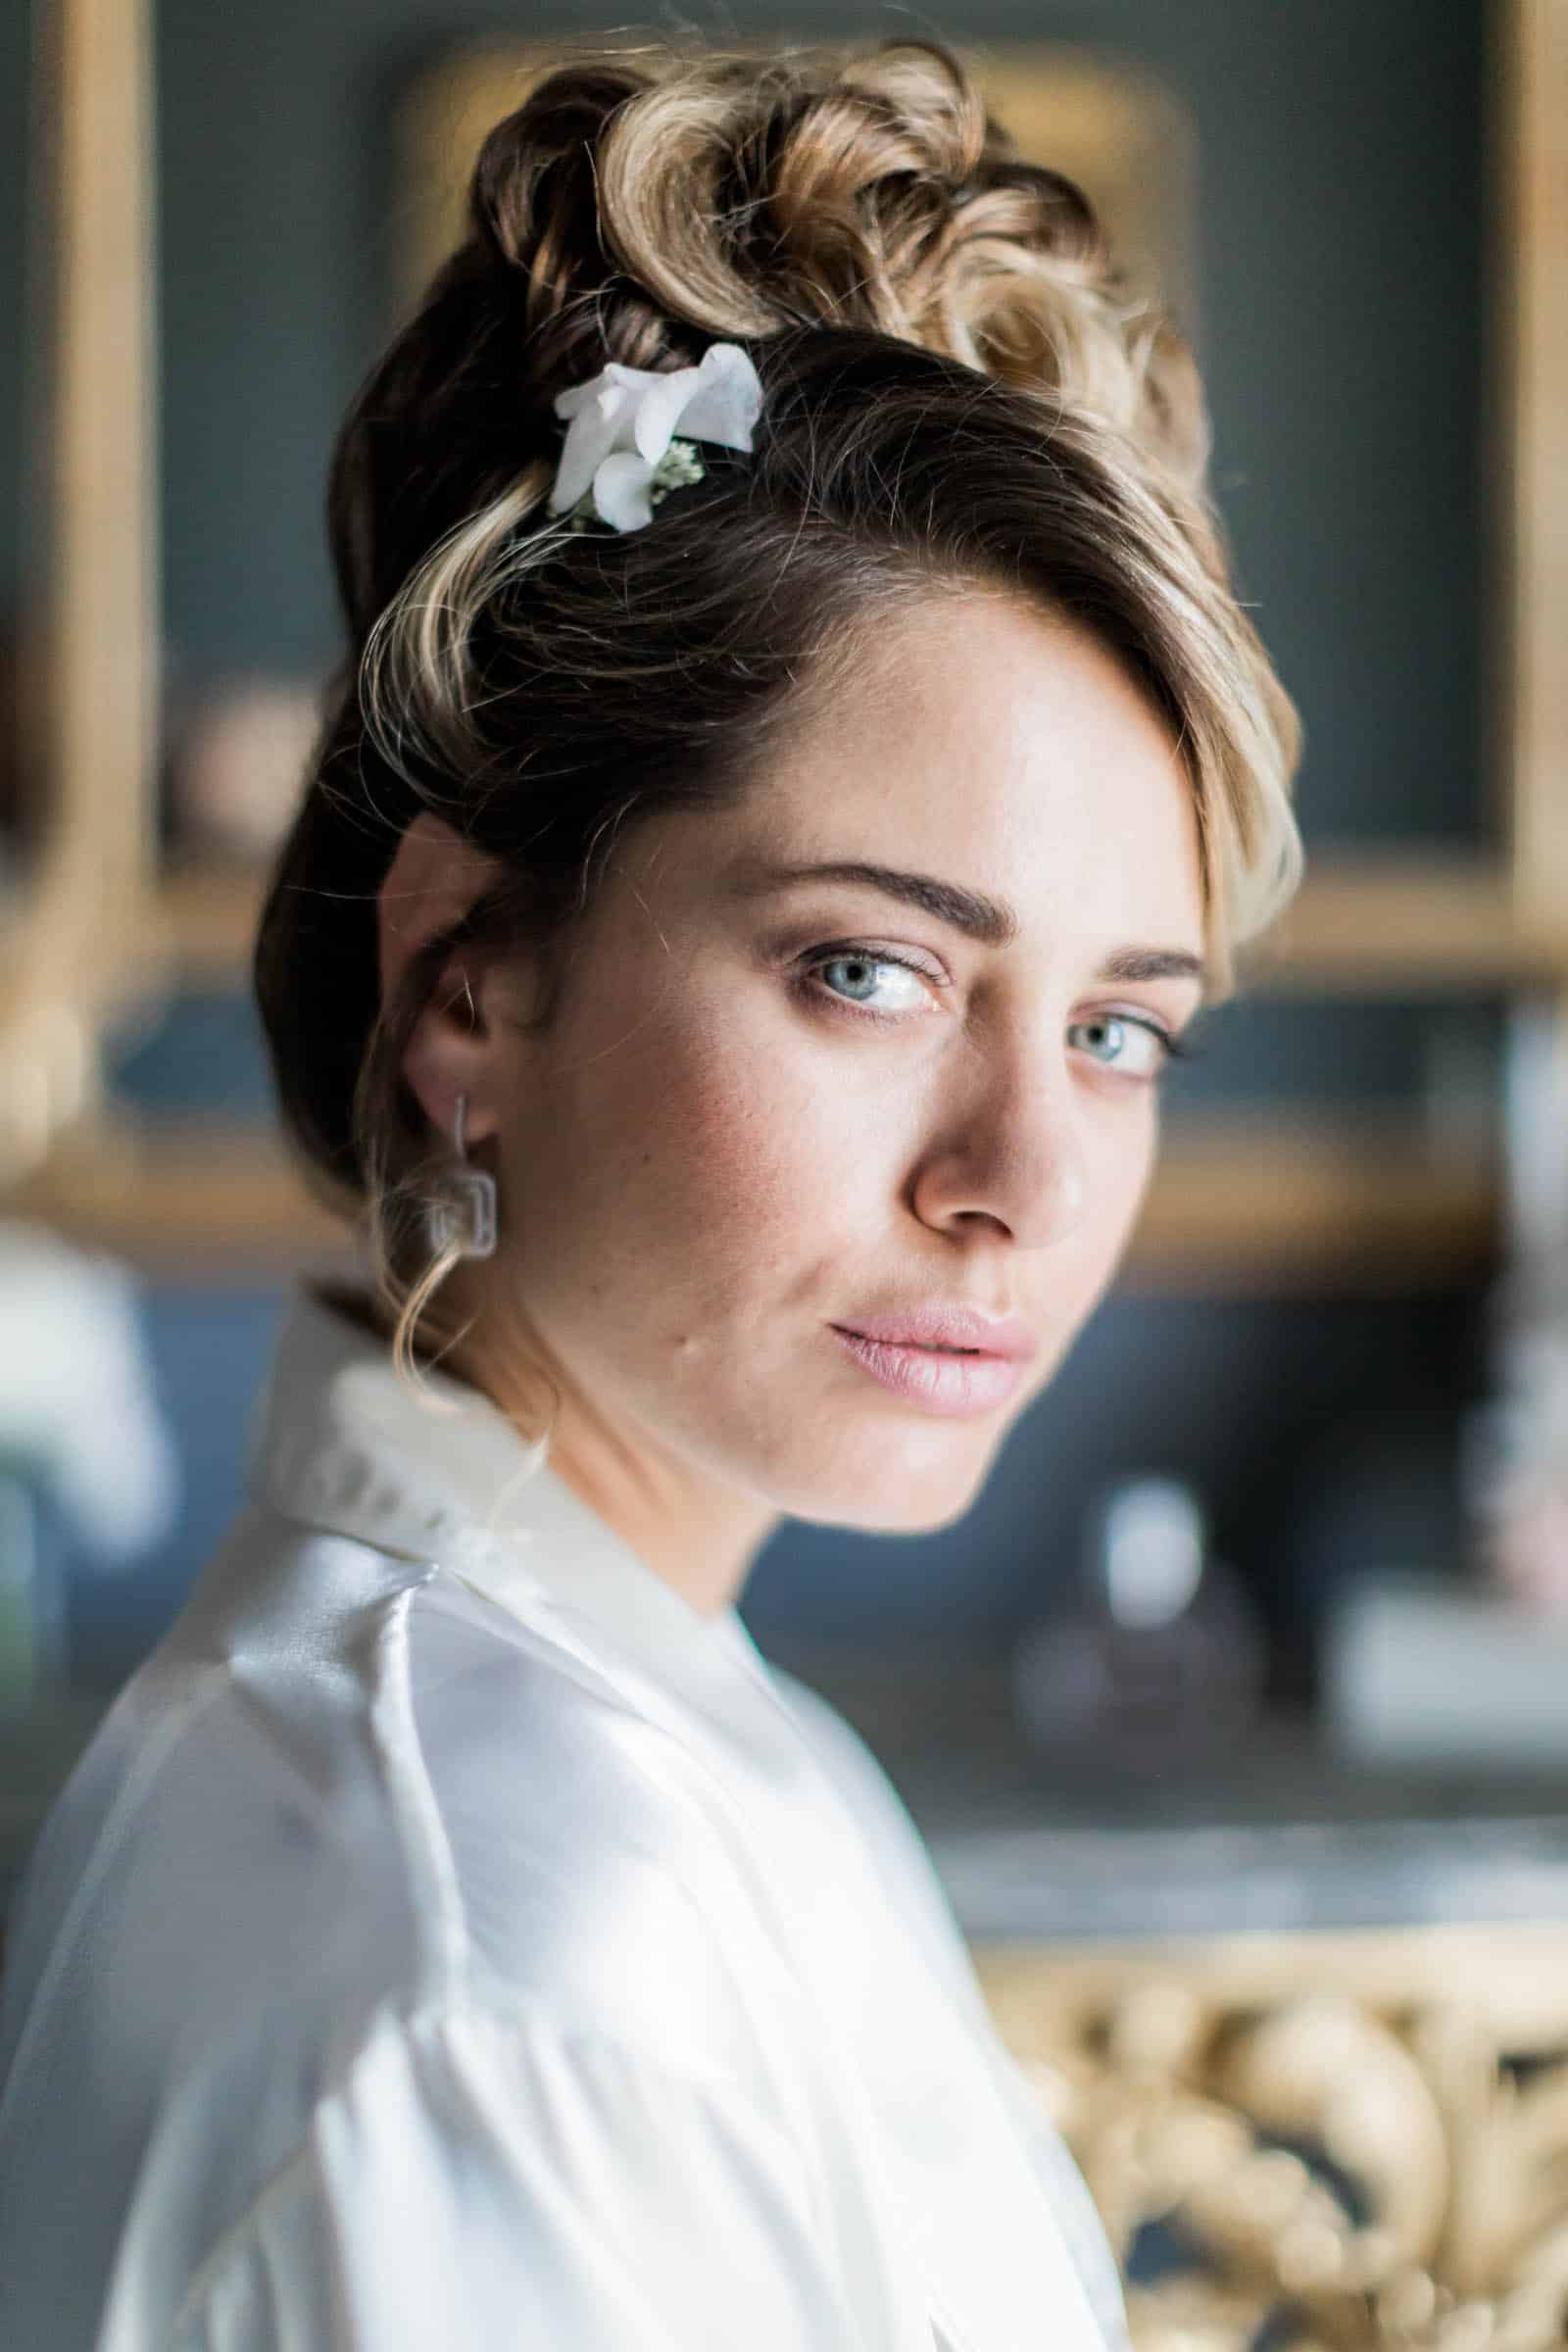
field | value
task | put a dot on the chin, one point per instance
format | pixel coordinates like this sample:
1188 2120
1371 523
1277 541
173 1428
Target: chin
901 1491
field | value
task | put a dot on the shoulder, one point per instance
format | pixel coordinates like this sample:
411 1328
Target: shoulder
334 1860
355 1792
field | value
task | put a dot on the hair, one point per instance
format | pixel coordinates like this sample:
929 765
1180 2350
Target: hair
959 396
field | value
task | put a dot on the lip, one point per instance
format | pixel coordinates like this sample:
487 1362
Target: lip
943 1325
901 1350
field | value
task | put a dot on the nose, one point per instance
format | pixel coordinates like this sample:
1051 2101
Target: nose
1018 1157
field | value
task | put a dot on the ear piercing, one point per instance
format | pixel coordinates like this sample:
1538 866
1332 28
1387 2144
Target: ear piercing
467 1216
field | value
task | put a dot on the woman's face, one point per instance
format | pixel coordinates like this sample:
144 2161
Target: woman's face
773 1109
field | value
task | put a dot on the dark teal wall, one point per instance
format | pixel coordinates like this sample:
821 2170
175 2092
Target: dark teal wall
1340 258
1342 274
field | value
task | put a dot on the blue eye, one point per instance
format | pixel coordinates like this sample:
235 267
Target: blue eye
866 963
1121 1031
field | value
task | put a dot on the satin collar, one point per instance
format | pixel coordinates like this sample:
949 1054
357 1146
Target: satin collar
340 1442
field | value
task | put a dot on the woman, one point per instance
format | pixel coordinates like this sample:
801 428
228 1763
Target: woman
798 768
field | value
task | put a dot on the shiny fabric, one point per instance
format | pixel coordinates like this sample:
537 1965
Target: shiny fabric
451 1938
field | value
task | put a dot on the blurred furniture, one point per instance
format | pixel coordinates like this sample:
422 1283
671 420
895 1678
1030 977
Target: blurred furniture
1336 2139
81 872
1249 1197
1303 2022
1418 1667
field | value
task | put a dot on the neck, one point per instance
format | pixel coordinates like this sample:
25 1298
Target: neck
701 1538
699 1534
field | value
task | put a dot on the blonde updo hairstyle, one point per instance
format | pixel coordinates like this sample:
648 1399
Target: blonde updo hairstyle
958 395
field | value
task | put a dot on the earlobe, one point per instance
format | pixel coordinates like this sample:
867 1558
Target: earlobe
451 1051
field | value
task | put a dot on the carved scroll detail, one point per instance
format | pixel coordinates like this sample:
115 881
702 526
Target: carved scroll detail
1313 2146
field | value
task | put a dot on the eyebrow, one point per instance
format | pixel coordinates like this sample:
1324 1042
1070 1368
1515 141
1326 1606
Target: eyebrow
990 922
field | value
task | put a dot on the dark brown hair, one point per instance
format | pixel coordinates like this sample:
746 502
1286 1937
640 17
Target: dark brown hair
959 397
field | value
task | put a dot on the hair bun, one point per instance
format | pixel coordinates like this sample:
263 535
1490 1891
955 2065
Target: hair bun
736 196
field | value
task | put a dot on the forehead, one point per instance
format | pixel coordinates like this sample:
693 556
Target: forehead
1005 750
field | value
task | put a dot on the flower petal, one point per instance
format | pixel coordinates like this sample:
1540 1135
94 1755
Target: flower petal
574 397
596 429
636 411
658 410
612 378
724 406
621 491
636 379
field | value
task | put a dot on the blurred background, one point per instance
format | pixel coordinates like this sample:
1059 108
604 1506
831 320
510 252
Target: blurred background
1307 1454
1233 1712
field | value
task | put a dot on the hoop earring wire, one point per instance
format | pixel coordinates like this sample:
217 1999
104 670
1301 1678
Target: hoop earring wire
466 1218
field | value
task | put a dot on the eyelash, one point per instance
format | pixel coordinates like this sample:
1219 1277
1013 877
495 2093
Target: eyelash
852 951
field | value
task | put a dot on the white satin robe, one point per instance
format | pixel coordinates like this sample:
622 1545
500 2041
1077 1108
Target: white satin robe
451 1939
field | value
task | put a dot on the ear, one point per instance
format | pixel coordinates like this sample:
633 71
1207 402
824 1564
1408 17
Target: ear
435 878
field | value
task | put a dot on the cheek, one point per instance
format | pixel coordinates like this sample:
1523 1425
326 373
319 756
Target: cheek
1134 1159
695 1125
1079 1276
1120 1183
1075 1269
730 1143
1123 1161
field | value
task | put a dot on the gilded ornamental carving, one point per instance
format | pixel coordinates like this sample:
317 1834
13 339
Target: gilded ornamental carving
1341 2141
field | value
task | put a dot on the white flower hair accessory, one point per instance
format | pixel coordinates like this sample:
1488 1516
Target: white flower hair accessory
621 456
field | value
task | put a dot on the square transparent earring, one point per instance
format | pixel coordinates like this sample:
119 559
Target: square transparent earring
467 1216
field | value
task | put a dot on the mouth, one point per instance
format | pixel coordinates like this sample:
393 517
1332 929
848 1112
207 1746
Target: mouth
946 1329
939 1377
